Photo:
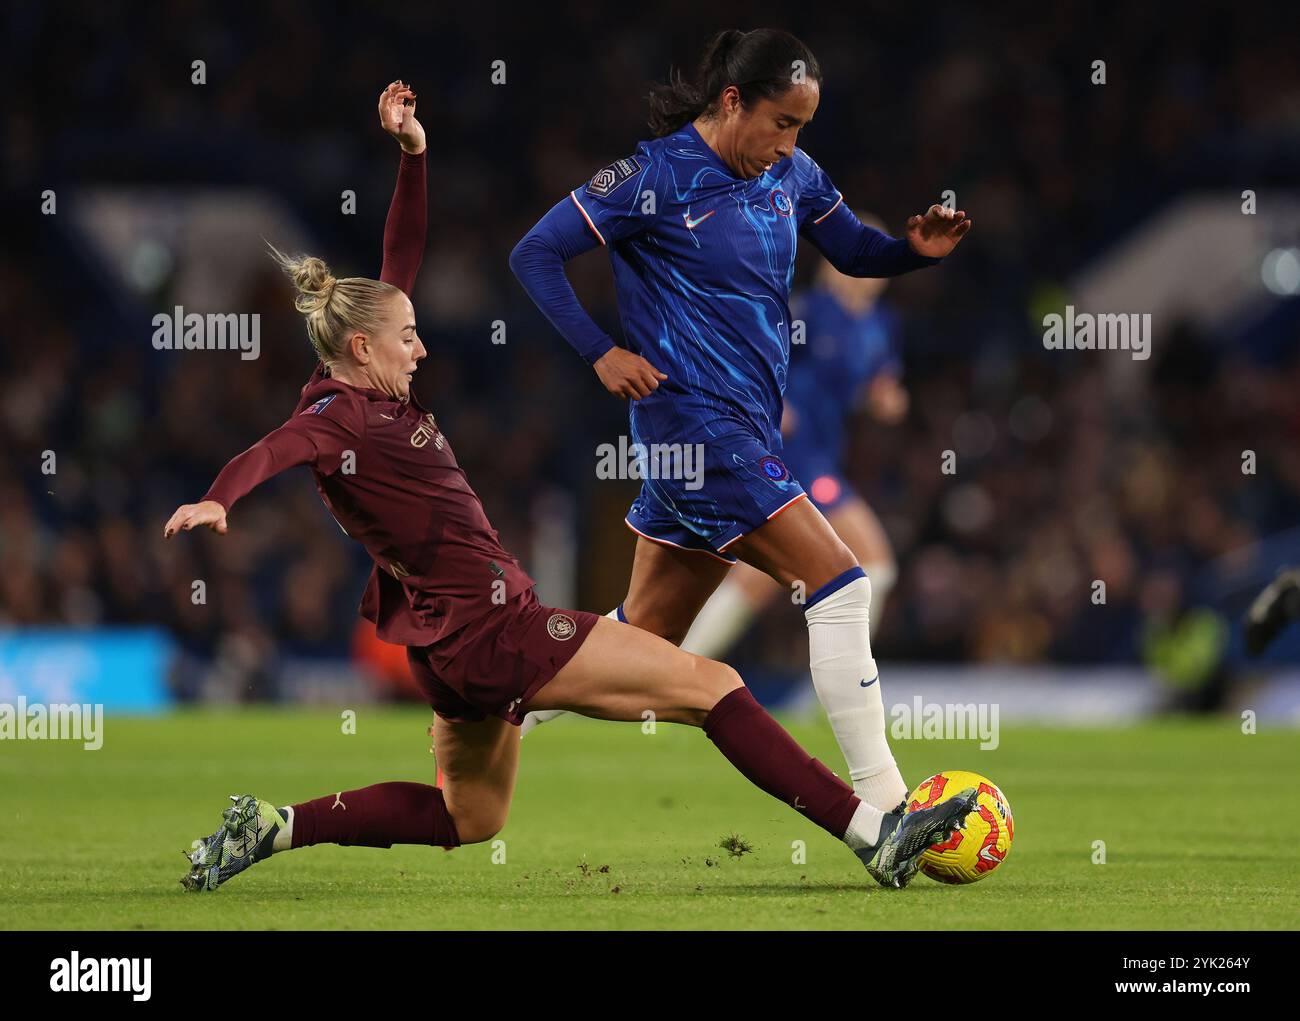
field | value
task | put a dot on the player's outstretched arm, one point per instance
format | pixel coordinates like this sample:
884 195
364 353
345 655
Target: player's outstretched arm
290 445
858 250
406 228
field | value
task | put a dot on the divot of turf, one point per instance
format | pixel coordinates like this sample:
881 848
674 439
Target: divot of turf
736 845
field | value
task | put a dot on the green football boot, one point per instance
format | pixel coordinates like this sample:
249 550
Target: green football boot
246 836
895 857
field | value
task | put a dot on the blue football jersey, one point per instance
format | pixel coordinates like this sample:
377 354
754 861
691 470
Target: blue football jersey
703 263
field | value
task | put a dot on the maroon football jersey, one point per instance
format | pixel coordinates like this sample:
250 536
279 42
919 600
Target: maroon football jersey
388 475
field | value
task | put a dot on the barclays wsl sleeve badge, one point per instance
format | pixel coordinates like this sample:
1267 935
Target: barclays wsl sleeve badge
612 176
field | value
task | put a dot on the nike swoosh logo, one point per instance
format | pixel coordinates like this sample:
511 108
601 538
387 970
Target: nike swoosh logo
864 683
692 224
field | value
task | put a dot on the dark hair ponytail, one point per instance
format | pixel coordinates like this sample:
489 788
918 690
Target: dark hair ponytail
761 64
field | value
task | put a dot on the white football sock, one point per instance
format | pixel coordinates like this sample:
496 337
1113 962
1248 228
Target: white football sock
723 619
539 716
882 576
864 827
847 682
284 836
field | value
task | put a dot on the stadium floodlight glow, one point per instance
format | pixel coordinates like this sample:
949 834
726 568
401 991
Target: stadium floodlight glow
1280 271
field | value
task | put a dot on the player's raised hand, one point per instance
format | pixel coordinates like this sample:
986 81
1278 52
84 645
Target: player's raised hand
209 513
626 374
397 117
937 232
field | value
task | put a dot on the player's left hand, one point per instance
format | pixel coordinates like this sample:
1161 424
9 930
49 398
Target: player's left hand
397 117
937 232
208 512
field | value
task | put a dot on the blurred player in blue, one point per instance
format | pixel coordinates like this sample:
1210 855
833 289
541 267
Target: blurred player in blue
848 362
702 225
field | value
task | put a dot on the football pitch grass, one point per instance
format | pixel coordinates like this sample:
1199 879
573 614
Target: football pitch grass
616 829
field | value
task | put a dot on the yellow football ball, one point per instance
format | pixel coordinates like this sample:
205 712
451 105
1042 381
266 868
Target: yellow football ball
972 853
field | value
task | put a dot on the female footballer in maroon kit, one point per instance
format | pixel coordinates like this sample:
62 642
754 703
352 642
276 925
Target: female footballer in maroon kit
483 647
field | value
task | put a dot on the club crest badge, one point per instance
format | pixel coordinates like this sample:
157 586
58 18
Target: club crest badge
561 627
773 468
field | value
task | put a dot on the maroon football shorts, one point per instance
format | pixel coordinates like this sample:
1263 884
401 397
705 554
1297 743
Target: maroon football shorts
495 664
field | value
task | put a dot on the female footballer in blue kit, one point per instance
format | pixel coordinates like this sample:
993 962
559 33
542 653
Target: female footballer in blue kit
702 226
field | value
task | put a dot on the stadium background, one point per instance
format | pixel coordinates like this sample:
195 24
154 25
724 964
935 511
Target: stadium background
1074 467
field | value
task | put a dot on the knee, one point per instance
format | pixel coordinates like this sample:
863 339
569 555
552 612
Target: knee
710 682
842 558
478 823
827 564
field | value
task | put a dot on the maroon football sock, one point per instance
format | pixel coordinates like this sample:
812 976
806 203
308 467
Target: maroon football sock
773 761
381 815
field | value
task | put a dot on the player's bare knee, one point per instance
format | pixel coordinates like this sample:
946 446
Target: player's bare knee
478 815
727 681
842 558
492 824
710 682
826 563
480 824
834 564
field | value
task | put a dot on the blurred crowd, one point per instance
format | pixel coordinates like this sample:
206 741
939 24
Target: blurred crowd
1062 481
1060 486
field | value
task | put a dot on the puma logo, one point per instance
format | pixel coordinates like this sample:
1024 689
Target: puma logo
338 802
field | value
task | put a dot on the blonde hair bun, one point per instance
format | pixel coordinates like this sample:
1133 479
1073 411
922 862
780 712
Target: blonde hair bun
335 307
